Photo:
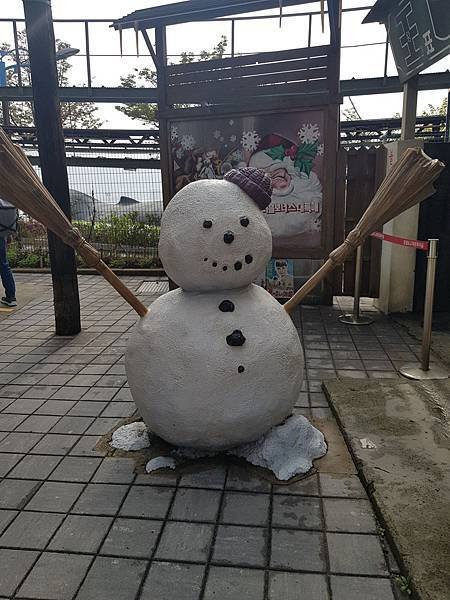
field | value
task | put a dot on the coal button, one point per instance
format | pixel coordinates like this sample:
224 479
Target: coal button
226 306
236 338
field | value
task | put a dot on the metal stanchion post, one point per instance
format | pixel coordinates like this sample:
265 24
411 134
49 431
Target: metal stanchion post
424 371
355 318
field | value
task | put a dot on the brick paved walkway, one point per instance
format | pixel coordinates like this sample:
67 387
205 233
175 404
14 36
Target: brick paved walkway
74 524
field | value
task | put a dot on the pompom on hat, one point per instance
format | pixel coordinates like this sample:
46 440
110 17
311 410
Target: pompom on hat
253 182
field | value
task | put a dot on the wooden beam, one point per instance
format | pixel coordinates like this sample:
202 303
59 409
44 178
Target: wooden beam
41 47
149 45
410 89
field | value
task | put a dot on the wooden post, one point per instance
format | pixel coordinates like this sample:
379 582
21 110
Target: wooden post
41 48
410 89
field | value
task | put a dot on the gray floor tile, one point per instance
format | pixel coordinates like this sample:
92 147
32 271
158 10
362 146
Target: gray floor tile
6 516
108 578
53 496
298 550
34 466
195 505
86 446
55 407
211 477
8 461
15 493
309 486
87 408
173 581
245 509
41 391
298 586
31 530
185 541
119 409
102 425
147 502
227 583
356 554
55 576
296 511
24 406
357 588
242 546
346 486
100 499
72 425
81 533
350 515
9 422
55 443
14 565
132 537
75 468
115 470
69 392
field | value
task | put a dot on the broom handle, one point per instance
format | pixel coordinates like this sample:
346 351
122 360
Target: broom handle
86 251
307 287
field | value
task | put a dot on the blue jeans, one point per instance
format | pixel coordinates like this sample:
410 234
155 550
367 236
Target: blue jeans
6 273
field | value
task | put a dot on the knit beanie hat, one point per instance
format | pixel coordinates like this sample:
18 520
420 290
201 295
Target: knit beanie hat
254 182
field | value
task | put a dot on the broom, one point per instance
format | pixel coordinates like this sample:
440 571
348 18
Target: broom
408 182
20 185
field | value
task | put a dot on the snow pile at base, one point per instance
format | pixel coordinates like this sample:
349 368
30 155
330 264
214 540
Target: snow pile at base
131 437
287 449
160 462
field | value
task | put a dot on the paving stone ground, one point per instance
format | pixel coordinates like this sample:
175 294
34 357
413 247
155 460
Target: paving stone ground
76 524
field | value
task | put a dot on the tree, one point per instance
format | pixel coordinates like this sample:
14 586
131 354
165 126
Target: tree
440 110
73 114
147 113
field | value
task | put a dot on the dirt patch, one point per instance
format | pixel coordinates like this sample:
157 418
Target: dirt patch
407 474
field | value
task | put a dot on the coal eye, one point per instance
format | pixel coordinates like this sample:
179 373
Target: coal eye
244 221
207 224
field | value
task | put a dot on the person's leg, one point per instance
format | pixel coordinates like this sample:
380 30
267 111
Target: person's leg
6 273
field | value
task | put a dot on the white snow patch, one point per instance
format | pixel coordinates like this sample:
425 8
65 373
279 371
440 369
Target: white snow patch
286 449
160 462
131 437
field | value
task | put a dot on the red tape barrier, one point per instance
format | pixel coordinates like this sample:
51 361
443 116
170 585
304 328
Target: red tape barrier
393 239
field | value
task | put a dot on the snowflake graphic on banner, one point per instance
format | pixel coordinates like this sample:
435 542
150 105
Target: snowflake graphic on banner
173 133
309 133
320 149
217 134
188 142
250 140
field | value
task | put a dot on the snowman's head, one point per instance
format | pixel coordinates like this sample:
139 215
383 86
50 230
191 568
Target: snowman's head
213 233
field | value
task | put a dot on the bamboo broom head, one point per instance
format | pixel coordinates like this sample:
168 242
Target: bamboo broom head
408 182
21 186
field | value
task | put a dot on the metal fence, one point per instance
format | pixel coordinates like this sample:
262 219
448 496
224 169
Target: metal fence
118 210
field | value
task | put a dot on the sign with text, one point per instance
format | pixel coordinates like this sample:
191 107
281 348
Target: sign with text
289 147
419 34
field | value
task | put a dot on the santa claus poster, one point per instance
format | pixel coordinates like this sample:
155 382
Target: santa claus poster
289 147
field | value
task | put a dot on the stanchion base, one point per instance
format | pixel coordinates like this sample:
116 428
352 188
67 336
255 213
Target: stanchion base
351 320
414 371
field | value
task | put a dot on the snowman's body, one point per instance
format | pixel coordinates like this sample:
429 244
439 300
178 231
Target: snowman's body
218 362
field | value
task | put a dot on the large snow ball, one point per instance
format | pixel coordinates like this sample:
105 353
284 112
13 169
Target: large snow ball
194 386
213 236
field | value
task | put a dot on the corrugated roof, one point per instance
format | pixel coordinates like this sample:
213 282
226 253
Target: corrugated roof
195 10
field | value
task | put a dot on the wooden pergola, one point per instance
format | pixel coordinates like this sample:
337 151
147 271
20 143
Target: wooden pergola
260 83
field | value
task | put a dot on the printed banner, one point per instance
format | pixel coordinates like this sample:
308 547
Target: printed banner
393 239
278 278
289 147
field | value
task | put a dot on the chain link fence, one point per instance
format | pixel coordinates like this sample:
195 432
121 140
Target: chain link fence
117 209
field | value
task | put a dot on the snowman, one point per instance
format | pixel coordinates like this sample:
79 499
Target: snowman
217 362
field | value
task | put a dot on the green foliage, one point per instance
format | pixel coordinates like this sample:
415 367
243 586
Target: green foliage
441 109
73 114
124 230
147 113
305 153
404 584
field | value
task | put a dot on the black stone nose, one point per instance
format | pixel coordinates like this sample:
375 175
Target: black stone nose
236 338
228 237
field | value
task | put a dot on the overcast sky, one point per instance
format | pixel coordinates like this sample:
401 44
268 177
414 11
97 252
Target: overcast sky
250 36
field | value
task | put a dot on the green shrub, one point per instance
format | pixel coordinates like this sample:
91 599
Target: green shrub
30 261
124 230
